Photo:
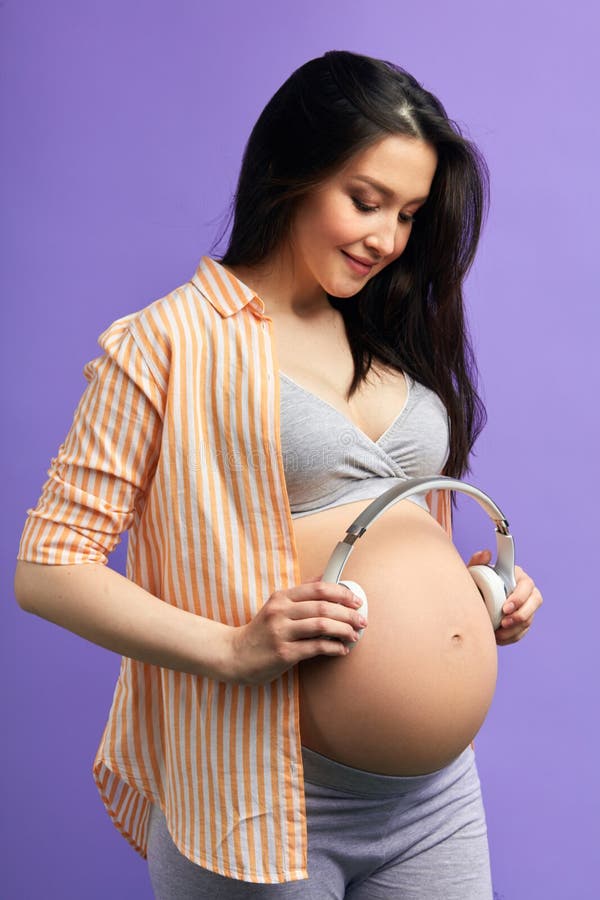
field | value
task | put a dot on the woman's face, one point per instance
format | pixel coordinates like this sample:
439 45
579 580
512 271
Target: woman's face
349 217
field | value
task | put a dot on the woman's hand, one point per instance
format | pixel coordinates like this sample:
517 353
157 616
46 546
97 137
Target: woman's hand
519 607
293 625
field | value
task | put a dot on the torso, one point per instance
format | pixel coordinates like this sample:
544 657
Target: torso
414 691
317 356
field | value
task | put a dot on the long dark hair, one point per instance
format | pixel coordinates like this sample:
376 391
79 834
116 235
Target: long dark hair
410 315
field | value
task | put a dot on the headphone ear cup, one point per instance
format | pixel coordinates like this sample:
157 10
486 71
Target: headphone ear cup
491 588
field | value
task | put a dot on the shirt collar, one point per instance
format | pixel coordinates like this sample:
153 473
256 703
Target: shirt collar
227 293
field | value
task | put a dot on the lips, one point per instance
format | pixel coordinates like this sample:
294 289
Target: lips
363 268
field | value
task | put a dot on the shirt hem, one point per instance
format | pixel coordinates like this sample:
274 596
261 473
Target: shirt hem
124 773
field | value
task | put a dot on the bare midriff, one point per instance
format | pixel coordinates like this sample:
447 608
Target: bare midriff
415 689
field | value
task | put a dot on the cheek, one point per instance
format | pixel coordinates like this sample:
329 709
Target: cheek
335 221
343 227
323 234
318 225
330 222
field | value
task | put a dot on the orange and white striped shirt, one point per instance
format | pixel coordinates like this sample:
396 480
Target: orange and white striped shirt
176 439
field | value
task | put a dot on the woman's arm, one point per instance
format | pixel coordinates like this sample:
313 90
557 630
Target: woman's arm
108 609
99 476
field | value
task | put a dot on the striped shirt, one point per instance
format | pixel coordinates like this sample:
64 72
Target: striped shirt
176 439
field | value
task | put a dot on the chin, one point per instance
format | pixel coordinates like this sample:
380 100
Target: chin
341 285
344 287
342 295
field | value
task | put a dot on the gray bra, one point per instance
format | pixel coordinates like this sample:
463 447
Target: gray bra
328 460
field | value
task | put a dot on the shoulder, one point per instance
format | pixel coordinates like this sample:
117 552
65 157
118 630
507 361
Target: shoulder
179 320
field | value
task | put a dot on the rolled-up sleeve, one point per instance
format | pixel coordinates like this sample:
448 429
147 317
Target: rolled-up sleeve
104 466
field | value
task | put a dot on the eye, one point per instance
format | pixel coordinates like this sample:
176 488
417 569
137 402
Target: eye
363 207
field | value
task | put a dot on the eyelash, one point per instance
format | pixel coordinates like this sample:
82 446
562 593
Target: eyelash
408 219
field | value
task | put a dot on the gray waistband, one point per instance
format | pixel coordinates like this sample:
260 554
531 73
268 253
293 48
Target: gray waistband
322 770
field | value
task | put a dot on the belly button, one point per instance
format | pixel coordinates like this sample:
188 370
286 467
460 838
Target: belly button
457 638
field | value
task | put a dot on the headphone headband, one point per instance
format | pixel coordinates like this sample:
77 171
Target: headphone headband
505 563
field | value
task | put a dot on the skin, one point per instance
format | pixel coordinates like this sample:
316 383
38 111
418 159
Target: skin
346 215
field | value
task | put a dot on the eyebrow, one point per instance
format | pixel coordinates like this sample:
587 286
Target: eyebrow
385 190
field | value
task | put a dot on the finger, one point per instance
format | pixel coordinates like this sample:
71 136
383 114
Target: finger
525 613
318 647
324 609
514 622
511 635
521 594
325 590
321 627
522 619
480 558
524 582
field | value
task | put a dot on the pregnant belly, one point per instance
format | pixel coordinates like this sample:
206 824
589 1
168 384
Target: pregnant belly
416 688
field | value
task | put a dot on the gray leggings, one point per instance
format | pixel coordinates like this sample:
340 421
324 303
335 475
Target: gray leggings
370 837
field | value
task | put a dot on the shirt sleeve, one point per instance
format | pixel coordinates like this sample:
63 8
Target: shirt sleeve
106 462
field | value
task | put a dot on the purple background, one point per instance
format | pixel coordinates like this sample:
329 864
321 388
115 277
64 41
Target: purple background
126 124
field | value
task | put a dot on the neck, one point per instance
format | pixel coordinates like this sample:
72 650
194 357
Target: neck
283 289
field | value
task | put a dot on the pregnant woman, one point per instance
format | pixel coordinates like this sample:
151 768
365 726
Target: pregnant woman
235 428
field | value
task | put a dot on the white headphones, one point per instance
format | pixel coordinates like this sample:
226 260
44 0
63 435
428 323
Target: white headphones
495 582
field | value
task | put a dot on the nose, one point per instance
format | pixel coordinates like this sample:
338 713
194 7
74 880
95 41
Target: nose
384 239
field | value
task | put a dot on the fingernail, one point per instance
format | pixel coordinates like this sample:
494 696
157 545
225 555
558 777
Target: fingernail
509 607
362 621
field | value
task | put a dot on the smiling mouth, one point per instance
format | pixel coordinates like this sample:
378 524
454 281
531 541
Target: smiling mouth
359 267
